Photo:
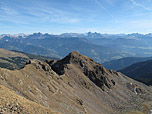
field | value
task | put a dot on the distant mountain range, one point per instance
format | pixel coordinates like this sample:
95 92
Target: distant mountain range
101 47
94 35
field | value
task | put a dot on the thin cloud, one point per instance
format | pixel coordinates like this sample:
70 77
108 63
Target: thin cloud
140 5
146 1
31 14
8 11
101 6
144 24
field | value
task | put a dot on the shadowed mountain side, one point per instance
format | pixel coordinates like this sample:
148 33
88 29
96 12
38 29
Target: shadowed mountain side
140 71
124 62
77 84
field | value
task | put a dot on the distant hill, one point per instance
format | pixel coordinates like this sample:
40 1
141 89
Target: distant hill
32 56
141 71
16 60
124 62
19 45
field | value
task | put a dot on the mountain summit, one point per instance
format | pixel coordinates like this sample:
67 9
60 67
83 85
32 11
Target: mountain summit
92 70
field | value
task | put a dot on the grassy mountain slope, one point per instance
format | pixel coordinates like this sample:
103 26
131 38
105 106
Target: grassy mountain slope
11 103
77 85
16 60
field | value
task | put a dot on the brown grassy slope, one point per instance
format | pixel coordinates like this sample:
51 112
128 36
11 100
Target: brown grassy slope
118 95
76 85
7 53
12 60
45 88
16 60
11 103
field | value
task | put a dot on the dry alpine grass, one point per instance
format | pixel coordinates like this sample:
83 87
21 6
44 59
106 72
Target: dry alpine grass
11 103
74 85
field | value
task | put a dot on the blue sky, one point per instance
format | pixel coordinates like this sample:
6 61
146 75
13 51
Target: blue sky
59 16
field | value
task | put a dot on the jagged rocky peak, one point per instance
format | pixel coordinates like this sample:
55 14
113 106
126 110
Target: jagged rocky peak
94 71
75 58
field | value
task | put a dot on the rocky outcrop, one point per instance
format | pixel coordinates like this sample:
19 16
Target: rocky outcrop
94 71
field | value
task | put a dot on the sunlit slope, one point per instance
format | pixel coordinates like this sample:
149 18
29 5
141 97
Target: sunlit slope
11 103
77 84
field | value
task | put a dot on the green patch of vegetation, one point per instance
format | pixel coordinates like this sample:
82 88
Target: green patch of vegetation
6 65
13 62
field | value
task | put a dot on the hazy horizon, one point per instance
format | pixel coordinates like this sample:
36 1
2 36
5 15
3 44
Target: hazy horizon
73 33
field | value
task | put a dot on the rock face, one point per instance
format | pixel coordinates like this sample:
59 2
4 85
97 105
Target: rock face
94 71
77 85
